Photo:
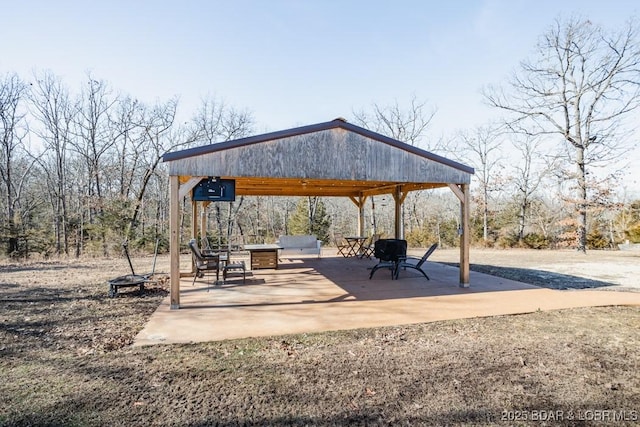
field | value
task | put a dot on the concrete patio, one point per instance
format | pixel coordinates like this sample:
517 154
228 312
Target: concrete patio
335 293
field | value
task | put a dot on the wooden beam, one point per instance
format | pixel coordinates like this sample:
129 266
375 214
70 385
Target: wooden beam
174 241
188 186
457 191
403 194
194 219
359 200
264 186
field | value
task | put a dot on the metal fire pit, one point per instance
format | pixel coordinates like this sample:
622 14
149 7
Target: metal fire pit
126 281
132 279
389 252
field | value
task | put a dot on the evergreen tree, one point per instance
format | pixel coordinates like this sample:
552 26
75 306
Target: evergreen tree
310 217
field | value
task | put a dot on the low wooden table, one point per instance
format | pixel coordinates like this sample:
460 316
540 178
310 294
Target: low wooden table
263 256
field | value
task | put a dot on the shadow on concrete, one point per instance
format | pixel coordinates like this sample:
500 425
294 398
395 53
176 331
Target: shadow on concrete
541 278
312 281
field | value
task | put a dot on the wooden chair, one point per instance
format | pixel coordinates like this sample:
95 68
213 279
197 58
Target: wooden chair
369 246
404 261
342 245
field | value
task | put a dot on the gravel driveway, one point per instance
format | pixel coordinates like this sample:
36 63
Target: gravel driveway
559 269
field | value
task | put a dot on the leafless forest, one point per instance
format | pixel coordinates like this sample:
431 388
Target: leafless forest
81 163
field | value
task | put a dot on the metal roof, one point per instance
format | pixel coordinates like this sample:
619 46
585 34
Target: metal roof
333 124
333 158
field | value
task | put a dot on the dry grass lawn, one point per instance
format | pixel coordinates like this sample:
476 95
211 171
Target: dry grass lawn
65 359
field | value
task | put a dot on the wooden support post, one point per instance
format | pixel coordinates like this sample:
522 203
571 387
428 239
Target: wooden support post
203 219
465 237
399 197
360 202
174 241
194 230
194 220
361 231
462 193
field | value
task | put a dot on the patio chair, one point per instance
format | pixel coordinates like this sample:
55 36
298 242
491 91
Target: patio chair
389 252
208 250
342 245
205 245
223 255
203 263
404 261
369 246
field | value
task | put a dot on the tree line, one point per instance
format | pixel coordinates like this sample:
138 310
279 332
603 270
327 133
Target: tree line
81 170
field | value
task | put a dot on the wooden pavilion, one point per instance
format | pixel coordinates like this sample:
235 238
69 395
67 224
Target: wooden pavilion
333 158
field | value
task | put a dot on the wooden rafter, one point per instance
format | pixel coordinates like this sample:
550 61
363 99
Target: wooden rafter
262 186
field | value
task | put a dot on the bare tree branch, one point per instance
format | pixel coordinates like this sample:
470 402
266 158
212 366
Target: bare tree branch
579 87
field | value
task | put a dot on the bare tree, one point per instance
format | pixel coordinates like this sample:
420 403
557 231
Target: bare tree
482 148
579 87
160 136
527 178
215 122
52 107
13 94
128 129
407 125
93 140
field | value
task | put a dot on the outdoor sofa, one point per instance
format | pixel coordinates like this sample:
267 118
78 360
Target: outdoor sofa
299 245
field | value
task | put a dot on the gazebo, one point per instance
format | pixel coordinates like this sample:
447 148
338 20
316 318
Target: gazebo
334 158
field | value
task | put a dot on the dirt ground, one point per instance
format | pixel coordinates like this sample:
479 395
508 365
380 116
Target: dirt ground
66 359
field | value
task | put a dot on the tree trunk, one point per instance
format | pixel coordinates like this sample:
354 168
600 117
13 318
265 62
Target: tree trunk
521 220
581 243
485 215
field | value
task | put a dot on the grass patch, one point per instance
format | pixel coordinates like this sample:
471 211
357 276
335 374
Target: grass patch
66 359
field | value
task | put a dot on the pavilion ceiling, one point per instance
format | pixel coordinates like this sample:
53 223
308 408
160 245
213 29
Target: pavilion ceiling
264 186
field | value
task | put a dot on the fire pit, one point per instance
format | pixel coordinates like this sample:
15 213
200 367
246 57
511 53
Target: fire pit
389 252
132 279
126 281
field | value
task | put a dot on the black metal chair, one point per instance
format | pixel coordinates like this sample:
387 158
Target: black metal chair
389 252
404 261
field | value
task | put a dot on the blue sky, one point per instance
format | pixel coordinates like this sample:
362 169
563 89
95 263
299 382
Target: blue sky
291 62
